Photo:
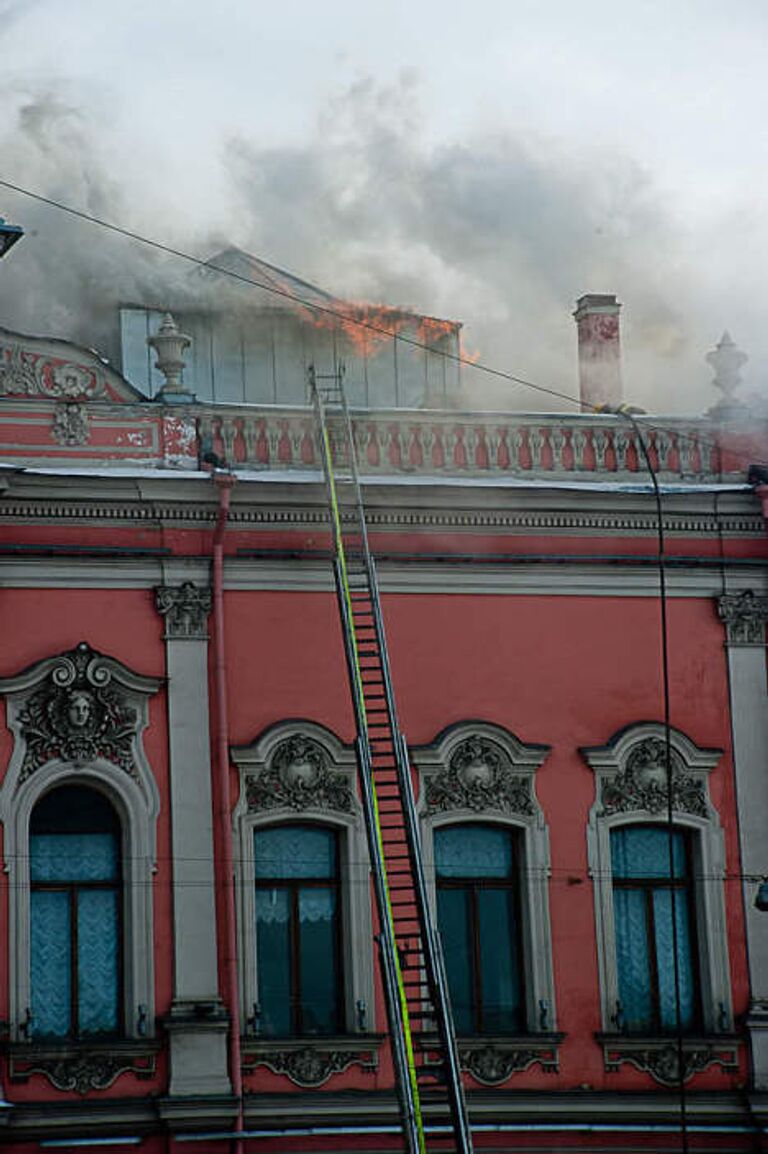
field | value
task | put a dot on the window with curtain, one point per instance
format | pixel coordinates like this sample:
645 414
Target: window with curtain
653 915
75 915
298 930
477 883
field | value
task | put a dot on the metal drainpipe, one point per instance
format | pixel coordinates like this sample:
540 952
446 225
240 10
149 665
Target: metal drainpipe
224 483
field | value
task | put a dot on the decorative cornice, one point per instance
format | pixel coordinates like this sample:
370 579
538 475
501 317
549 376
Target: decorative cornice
310 1063
492 1062
299 777
642 785
185 608
659 1056
479 777
28 373
744 616
80 1068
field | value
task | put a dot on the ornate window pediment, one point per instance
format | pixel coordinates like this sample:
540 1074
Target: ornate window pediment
78 718
479 768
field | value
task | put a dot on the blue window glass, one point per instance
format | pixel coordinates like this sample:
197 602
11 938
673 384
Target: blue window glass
75 915
298 929
653 912
477 910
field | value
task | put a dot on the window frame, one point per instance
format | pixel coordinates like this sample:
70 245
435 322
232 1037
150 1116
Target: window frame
517 763
131 789
648 885
73 889
256 763
293 885
693 814
509 885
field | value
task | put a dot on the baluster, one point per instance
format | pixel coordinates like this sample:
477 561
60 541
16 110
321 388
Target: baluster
600 442
250 439
579 442
557 440
518 440
471 445
228 438
536 444
273 433
663 450
621 443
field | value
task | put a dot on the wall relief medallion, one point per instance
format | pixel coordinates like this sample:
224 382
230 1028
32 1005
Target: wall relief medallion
78 715
479 777
642 784
298 777
310 1066
185 608
70 424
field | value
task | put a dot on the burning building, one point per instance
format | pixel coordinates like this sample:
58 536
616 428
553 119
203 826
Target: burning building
189 949
255 329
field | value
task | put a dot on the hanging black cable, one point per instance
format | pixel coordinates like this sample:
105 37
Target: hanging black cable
622 411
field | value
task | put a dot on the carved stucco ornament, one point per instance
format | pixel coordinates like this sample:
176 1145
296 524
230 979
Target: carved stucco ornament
70 424
298 777
186 608
78 715
744 616
662 1061
34 375
82 1072
642 784
479 777
493 1064
310 1065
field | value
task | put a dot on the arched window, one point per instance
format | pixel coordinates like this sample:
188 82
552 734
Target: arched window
653 917
298 930
76 920
478 910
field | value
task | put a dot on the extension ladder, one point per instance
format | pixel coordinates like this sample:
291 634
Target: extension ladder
421 1027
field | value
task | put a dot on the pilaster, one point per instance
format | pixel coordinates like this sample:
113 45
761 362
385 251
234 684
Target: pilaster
744 616
197 1025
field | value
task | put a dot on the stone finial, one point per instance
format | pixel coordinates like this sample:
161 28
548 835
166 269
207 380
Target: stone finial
169 344
727 359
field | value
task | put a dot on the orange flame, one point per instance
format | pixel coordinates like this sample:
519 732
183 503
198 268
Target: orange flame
367 327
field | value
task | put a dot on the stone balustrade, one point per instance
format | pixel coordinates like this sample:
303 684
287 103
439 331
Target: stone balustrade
431 443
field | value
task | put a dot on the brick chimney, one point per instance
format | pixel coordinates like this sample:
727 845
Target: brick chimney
597 323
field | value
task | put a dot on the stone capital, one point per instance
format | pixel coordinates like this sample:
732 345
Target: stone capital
744 616
185 608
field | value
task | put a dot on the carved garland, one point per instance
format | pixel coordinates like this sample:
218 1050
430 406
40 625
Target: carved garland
310 1066
70 424
479 777
642 784
78 716
493 1065
662 1061
298 777
82 1072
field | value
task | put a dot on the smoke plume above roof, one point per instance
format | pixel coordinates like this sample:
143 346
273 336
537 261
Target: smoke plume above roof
501 232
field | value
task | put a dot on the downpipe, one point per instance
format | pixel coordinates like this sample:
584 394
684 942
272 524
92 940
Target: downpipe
224 482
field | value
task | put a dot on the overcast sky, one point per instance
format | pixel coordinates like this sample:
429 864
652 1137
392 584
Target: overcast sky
489 164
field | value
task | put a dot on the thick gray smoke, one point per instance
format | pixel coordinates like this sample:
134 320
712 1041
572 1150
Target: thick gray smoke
501 233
